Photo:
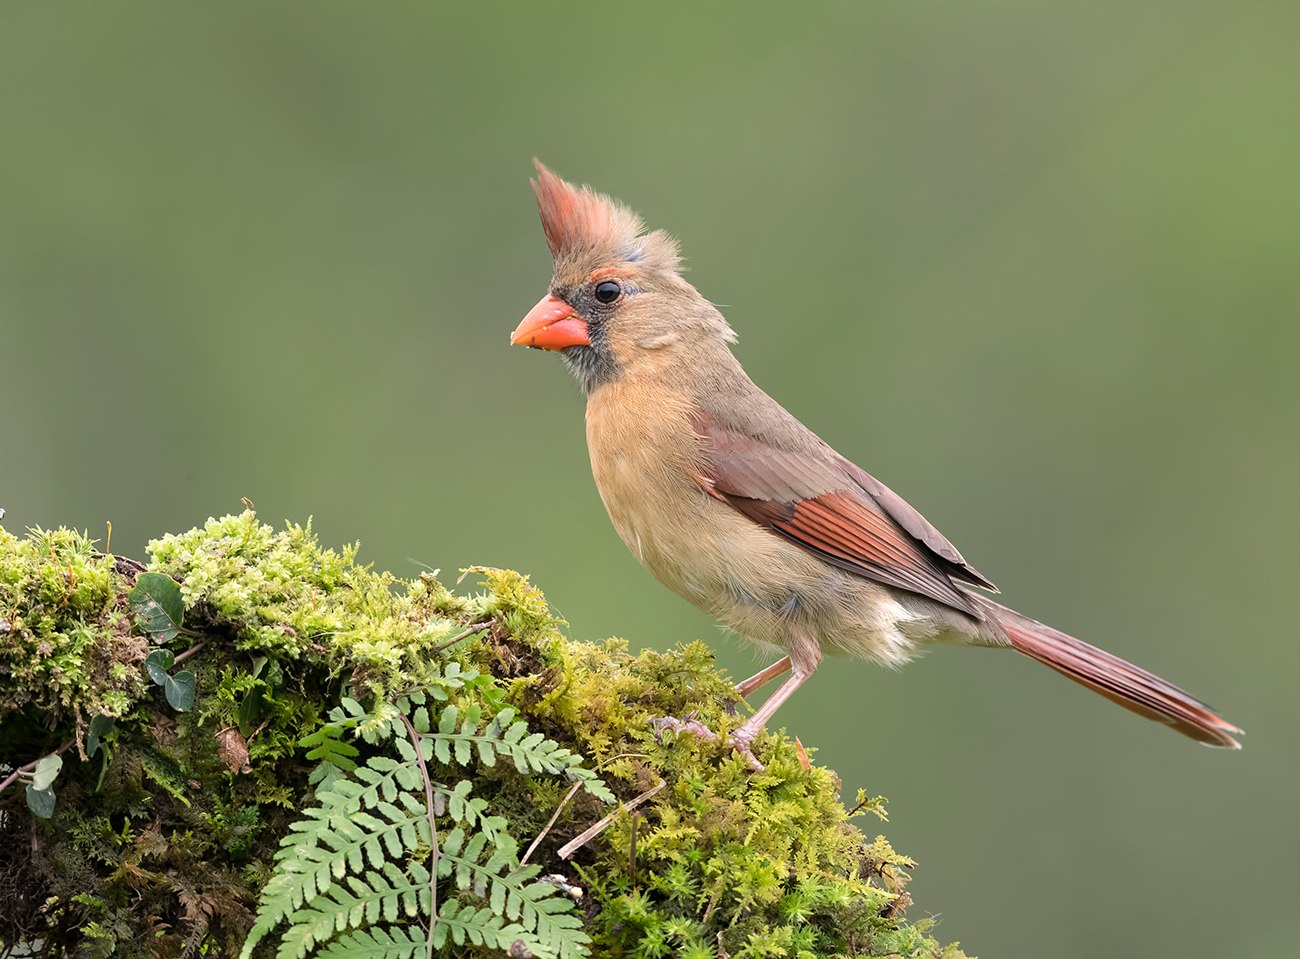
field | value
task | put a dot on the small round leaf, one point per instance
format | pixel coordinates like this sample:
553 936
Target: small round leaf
40 801
99 727
157 605
46 770
157 663
180 690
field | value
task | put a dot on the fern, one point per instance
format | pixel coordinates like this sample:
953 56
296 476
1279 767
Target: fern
512 890
353 877
395 942
481 927
504 737
387 894
327 745
457 924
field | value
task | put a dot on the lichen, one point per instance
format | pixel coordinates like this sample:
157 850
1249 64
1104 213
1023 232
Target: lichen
162 839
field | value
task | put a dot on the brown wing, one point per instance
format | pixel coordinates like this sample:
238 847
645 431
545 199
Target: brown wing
901 512
825 504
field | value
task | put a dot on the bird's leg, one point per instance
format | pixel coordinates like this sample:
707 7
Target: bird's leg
763 677
804 656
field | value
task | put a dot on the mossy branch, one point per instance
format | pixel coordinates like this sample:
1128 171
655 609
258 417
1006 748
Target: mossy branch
334 787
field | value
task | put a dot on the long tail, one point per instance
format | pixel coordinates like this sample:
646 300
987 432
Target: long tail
1131 686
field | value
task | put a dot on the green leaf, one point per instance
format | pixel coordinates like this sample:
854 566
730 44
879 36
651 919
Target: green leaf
40 801
157 605
447 721
252 709
46 770
180 690
157 663
592 783
99 727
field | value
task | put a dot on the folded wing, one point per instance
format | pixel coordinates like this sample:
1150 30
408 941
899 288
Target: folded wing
823 503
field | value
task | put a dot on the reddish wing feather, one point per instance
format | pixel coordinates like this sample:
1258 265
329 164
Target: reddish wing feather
798 500
843 533
918 526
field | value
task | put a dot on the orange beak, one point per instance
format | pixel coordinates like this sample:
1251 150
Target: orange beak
551 325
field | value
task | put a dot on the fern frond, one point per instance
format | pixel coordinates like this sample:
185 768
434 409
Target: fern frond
378 724
357 859
512 891
465 809
386 894
451 678
506 737
355 822
326 744
457 924
481 927
394 942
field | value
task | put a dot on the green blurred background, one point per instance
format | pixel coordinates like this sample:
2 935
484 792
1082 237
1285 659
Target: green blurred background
1037 267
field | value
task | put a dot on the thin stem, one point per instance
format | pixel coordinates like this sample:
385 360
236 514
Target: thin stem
189 652
465 633
573 790
31 766
569 848
631 853
547 828
433 834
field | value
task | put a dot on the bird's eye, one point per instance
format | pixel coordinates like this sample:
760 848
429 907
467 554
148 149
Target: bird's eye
607 291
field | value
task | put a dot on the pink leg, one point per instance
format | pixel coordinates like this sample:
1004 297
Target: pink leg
763 677
808 656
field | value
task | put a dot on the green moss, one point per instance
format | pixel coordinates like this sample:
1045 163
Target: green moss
282 594
765 864
66 643
161 840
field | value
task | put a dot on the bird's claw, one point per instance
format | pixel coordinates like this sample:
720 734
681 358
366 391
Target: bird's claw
741 741
686 724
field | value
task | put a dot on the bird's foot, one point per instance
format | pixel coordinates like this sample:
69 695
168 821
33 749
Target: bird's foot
687 724
742 742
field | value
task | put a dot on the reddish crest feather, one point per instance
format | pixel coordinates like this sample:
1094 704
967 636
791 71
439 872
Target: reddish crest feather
571 217
579 222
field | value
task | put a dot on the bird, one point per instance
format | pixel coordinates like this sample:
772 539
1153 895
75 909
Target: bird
738 507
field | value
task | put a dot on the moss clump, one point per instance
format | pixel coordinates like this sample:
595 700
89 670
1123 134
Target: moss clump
761 865
281 595
162 839
67 648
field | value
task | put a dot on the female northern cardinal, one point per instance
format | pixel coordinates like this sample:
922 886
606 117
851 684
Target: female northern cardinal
735 505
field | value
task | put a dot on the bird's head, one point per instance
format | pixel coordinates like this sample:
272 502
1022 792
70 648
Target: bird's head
616 301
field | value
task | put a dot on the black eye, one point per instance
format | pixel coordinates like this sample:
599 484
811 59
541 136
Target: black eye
607 291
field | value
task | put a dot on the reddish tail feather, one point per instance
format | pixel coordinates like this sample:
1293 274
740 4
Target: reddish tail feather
1131 686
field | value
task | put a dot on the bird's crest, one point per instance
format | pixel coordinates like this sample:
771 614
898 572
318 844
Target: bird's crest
579 223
